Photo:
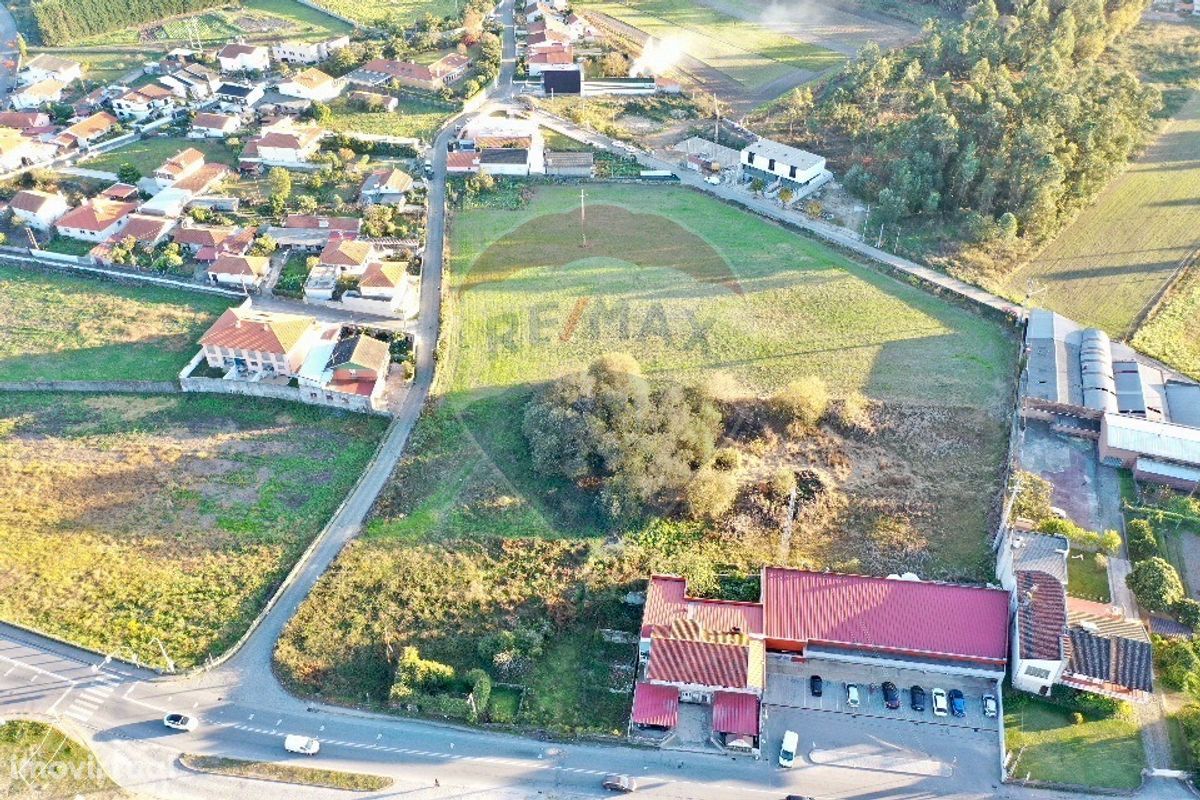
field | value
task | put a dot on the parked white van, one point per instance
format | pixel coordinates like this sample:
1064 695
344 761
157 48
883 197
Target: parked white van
304 745
787 751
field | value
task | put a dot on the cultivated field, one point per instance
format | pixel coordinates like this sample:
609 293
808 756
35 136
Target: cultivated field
469 540
126 520
250 19
842 28
750 54
149 154
1110 264
55 326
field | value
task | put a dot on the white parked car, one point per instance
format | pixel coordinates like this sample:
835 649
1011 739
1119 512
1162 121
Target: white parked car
852 697
304 745
940 707
787 750
180 722
989 705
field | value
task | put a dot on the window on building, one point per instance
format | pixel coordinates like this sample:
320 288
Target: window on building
1037 672
771 165
792 172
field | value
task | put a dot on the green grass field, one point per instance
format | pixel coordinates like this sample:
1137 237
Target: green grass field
402 11
1088 580
1170 332
55 326
1105 753
469 539
43 762
750 54
130 519
148 154
414 118
1108 265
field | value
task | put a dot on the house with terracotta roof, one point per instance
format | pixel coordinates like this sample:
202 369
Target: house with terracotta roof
87 130
178 166
29 123
462 162
354 365
284 143
141 230
551 59
723 653
208 124
144 102
38 94
45 66
38 209
311 84
1058 639
383 280
246 338
447 70
388 186
197 237
348 256
121 191
239 57
97 220
242 271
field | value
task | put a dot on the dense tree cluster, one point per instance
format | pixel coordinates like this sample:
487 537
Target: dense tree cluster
607 427
1003 123
63 21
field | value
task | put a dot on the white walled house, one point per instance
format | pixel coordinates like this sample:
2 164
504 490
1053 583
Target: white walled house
97 220
308 52
45 66
208 124
142 103
771 160
38 94
245 272
38 209
238 57
311 84
260 341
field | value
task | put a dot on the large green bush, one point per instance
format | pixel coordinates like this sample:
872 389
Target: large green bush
1141 540
1155 584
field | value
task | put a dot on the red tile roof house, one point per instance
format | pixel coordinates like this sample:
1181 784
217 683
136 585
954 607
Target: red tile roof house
178 166
146 231
349 256
723 653
97 220
241 271
208 124
259 341
38 209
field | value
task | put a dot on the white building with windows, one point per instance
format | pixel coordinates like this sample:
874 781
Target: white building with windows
772 160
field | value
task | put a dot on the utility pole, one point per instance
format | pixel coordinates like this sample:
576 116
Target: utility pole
583 215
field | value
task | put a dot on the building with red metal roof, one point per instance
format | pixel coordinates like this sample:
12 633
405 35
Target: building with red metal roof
718 652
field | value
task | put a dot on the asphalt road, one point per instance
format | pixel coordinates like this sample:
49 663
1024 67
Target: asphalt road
8 50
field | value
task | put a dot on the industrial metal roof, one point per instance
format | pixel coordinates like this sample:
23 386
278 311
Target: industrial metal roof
1160 440
734 712
885 614
655 705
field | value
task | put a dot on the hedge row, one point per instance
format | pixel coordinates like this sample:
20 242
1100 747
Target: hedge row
64 21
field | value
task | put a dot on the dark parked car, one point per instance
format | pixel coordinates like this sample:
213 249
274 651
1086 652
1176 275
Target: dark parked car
815 685
620 783
917 698
958 704
891 695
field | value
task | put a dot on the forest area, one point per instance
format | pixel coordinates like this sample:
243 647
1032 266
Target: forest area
979 143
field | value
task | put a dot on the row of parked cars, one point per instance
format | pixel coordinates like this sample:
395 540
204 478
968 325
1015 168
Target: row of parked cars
953 702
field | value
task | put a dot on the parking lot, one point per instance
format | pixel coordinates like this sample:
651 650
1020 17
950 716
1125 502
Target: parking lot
787 686
871 736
